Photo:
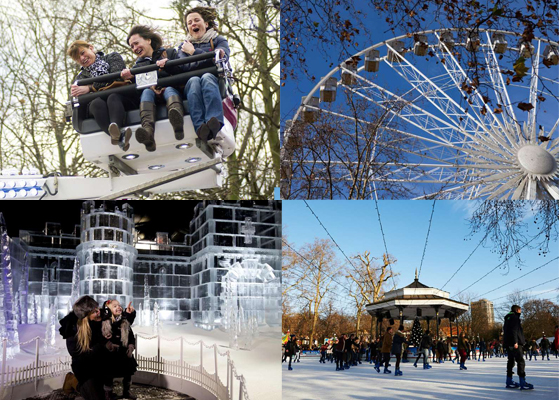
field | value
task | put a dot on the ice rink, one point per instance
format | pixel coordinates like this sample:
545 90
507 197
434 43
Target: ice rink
311 380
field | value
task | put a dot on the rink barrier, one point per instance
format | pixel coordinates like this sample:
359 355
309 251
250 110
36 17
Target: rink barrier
40 376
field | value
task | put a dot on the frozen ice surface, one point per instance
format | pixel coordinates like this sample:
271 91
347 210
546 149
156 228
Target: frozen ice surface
483 380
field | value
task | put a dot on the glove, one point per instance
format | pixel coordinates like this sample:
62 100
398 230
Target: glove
106 313
130 350
111 346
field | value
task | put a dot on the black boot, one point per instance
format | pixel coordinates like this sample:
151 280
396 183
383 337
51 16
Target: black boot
176 115
146 133
126 391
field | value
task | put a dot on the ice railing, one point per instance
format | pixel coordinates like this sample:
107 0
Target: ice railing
197 374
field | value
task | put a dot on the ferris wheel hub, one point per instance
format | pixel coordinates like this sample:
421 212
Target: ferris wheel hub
536 160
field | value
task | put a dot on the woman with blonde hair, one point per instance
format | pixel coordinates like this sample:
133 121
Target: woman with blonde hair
81 329
109 114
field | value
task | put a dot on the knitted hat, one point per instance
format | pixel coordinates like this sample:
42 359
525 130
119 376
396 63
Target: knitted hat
84 306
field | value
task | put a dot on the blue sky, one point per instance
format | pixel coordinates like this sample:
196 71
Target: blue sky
355 227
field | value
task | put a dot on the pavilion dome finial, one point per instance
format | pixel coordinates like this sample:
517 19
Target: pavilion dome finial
416 278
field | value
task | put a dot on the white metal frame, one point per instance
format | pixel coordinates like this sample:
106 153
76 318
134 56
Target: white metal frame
467 155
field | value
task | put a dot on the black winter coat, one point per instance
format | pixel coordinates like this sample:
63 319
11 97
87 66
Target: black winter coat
120 364
116 64
290 348
90 364
170 54
426 342
397 342
513 330
199 48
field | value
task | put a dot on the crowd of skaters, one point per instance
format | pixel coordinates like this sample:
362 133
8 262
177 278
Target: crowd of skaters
350 350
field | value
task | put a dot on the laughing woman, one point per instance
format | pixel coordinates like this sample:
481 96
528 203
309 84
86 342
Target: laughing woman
147 45
109 114
203 95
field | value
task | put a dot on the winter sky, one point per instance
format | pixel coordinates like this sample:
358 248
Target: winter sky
355 227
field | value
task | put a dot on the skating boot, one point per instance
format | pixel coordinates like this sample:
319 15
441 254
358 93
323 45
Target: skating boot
415 365
377 367
525 385
290 368
387 371
511 384
462 366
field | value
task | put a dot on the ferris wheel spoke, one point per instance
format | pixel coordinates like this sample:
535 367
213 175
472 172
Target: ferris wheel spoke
410 113
498 83
552 189
533 94
459 76
438 98
421 119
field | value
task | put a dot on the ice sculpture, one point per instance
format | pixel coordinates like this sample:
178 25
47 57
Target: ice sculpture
146 319
44 296
75 294
50 328
22 292
106 253
251 296
140 315
248 230
156 318
8 320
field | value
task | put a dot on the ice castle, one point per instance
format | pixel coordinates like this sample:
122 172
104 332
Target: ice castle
228 242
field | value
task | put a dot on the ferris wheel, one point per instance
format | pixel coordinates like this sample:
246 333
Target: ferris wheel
449 127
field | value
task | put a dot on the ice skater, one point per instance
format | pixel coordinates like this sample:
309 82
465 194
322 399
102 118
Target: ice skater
544 346
386 347
290 347
482 350
424 346
397 341
463 346
514 341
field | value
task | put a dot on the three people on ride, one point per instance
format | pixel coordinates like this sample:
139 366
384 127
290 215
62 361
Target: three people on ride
202 93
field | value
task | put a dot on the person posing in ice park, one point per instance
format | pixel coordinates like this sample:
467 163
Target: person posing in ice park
202 93
116 327
89 350
148 46
514 340
544 346
109 114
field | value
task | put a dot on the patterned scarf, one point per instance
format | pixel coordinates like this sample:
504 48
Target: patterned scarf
99 67
210 34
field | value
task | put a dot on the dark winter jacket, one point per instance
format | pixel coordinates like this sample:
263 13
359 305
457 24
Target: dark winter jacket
544 344
341 344
159 54
482 345
199 48
116 64
426 342
513 330
290 348
120 364
89 364
397 342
